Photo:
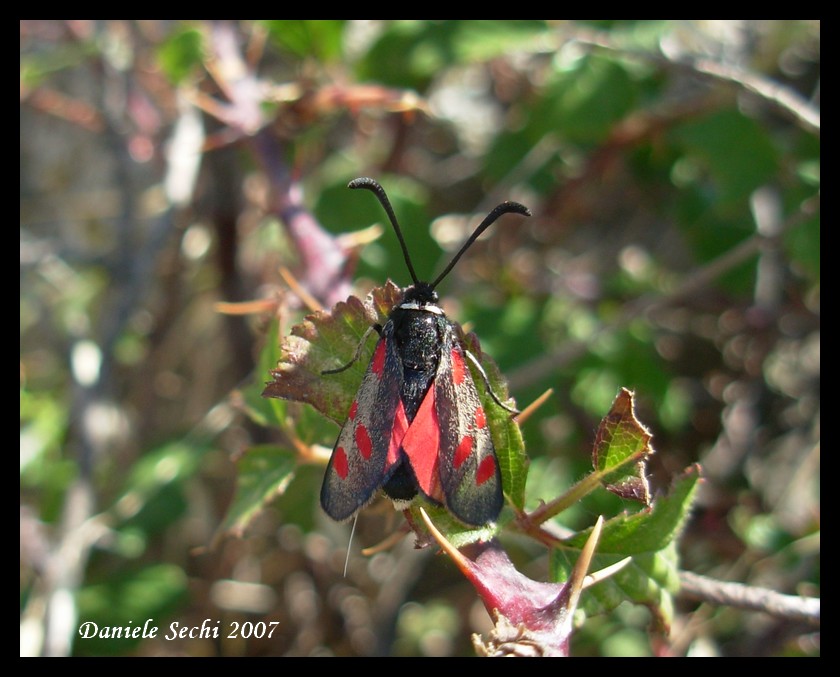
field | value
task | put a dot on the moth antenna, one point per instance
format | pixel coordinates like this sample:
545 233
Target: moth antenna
379 191
504 208
487 385
374 327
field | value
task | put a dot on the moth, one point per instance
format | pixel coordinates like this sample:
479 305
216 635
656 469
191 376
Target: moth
416 424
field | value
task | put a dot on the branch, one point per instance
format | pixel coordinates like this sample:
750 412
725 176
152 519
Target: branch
325 267
781 97
740 596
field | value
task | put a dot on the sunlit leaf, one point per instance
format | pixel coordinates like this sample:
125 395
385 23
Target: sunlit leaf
623 443
263 472
649 536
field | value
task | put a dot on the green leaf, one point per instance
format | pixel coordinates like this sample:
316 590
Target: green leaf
650 579
579 105
320 38
649 536
622 445
456 533
411 53
263 472
329 340
44 468
154 491
583 100
181 54
652 528
485 39
170 463
736 151
507 435
589 98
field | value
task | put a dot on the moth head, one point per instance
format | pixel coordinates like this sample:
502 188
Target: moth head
421 293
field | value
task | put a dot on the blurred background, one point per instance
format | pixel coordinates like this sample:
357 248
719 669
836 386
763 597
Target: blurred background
169 170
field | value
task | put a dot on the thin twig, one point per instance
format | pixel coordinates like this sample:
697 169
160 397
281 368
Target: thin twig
742 596
783 98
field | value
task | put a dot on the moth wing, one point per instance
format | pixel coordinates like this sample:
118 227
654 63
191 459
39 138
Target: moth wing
469 470
421 445
360 461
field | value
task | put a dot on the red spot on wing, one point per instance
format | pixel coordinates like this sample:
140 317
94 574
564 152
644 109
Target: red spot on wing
339 462
378 363
486 470
462 453
363 441
457 367
480 418
353 409
422 444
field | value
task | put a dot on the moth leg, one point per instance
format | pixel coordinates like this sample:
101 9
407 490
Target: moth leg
484 378
373 327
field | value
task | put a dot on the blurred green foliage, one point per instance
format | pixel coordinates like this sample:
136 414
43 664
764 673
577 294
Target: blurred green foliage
674 250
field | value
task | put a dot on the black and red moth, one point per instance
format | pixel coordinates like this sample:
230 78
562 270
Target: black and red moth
417 424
